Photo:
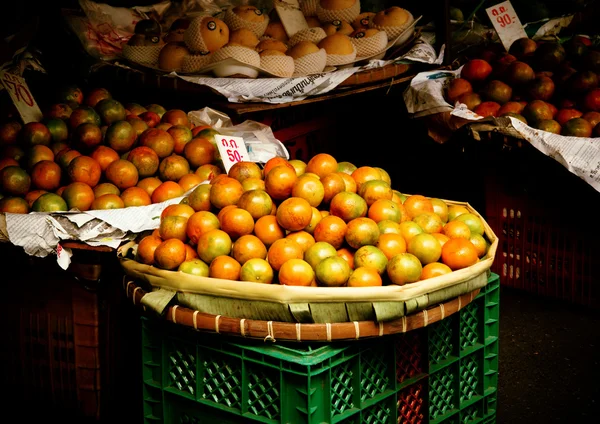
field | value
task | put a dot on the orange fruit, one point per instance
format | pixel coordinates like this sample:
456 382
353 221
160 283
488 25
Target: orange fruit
38 153
173 226
224 267
349 183
322 164
364 277
309 188
331 229
257 202
391 244
46 175
455 210
317 252
200 151
106 188
96 95
440 208
14 205
65 156
303 238
194 267
348 206
299 165
145 160
425 247
296 272
245 169
442 238
181 136
199 223
279 182
222 211
257 271
348 255
135 196
409 229
273 162
314 220
189 181
474 223
281 250
361 232
190 252
253 184
169 254
248 247
31 196
122 173
480 243
404 268
199 198
416 204
107 201
34 133
387 226
456 229
149 184
146 248
176 117
430 222
4 162
225 191
459 253
294 214
84 169
104 155
208 172
434 269
333 271
120 136
363 174
371 257
213 243
385 176
346 167
383 209
173 167
398 197
79 196
237 222
268 230
177 209
374 190
165 191
49 202
158 140
333 184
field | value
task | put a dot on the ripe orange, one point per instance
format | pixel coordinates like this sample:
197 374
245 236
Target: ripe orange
225 267
374 190
273 162
416 204
434 269
200 151
237 222
385 176
14 205
4 162
296 272
361 232
455 210
309 188
199 198
199 223
146 248
176 117
181 136
158 140
189 181
257 271
348 255
409 229
173 226
38 153
165 191
322 164
173 167
253 184
194 266
391 244
145 160
122 173
425 247
441 208
46 175
430 222
474 223
303 238
281 250
222 211
268 230
257 202
371 257
319 251
149 184
364 277
135 196
333 184
34 133
248 247
456 229
245 169
225 191
314 220
31 196
169 254
79 196
333 271
190 252
442 238
459 253
480 243
104 155
107 201
299 165
213 243
346 167
387 226
49 202
331 229
208 172
350 184
84 169
294 214
404 268
363 174
120 136
348 206
177 209
280 181
383 209
65 156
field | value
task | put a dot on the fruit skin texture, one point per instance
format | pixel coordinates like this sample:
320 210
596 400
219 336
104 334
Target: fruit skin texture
476 70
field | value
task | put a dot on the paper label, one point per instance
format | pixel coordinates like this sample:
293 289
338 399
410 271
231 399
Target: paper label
291 16
506 23
21 97
232 150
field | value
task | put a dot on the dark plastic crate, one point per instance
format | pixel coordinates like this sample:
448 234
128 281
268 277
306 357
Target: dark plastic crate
446 372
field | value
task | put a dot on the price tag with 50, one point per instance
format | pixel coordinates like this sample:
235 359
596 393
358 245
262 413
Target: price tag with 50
21 97
506 23
232 150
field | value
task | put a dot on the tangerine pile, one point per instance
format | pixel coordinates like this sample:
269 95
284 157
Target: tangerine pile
93 152
315 223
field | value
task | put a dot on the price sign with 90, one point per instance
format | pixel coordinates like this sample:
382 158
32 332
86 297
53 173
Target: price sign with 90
232 150
506 23
21 96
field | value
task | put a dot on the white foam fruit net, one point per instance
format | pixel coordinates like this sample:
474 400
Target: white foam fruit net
282 66
195 62
349 14
147 55
311 63
309 7
308 34
394 31
241 53
369 46
234 22
341 59
192 36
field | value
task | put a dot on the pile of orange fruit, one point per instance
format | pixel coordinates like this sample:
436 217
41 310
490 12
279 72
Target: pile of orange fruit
315 223
92 152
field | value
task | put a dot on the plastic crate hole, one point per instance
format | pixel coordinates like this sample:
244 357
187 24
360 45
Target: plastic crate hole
469 377
182 368
222 380
264 393
410 354
341 387
411 404
441 343
442 396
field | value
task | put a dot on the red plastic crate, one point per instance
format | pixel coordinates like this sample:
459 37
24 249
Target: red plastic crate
544 217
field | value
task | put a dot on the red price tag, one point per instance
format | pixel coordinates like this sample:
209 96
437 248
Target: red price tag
21 97
506 23
232 150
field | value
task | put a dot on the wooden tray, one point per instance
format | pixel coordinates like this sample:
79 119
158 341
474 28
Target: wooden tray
322 332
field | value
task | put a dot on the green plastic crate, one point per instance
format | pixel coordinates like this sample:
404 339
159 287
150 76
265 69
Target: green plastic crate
444 373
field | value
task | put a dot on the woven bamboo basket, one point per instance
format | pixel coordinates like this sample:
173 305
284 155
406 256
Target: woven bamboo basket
274 302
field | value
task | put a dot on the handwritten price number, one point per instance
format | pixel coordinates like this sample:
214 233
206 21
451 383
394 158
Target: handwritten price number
232 150
13 83
502 17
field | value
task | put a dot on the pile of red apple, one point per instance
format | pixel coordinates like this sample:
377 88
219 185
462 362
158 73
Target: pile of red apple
548 85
